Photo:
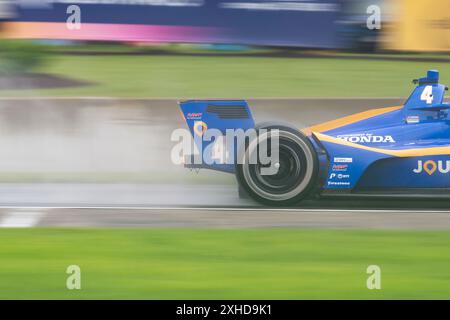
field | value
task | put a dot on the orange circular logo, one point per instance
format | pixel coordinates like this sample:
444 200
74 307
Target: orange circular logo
200 128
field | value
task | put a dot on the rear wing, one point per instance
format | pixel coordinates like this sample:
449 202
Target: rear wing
216 114
221 115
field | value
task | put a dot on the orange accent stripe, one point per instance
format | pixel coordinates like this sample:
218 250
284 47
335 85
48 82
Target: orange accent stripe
397 153
337 123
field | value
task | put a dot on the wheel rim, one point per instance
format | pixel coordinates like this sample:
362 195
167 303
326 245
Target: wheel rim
295 169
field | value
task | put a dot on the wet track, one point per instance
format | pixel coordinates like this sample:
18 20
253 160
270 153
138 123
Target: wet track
131 205
125 144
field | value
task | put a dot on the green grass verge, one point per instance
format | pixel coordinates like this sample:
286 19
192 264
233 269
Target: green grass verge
233 77
223 264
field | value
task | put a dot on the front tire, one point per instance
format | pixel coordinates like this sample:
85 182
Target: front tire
297 168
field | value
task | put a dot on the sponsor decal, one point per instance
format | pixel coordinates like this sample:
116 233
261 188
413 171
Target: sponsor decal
338 183
194 115
412 119
200 128
343 160
339 167
431 166
366 138
339 176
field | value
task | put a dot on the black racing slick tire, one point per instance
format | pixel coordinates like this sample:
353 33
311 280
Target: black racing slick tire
296 172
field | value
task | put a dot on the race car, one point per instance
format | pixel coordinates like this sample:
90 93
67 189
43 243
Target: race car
393 151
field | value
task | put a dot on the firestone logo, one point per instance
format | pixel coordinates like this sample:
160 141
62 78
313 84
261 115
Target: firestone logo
338 183
430 167
366 138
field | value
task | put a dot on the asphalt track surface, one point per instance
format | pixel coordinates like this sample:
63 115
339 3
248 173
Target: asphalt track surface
212 206
208 204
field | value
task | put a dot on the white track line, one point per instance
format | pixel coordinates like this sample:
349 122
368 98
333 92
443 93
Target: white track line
162 208
21 219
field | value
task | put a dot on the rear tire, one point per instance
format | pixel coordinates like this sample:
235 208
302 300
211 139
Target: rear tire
297 168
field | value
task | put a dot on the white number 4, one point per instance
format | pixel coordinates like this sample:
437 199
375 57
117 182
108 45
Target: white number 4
219 150
427 94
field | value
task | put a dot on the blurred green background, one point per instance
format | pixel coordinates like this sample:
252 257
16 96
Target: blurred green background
180 71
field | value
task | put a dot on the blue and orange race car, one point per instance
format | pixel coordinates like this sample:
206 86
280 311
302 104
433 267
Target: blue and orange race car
394 151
